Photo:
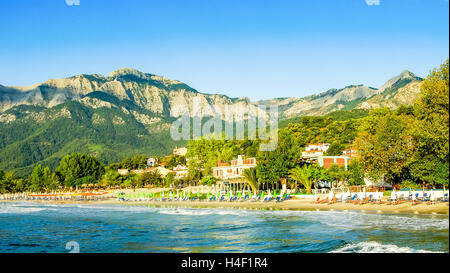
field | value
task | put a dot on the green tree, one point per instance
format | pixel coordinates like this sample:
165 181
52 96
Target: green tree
385 145
150 178
169 179
335 149
356 173
430 163
304 175
113 178
274 165
208 180
251 178
11 183
41 179
77 169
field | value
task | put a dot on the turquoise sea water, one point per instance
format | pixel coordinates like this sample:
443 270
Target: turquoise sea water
29 227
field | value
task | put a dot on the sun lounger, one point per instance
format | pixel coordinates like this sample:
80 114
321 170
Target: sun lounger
267 199
365 201
352 199
393 202
280 198
332 201
255 198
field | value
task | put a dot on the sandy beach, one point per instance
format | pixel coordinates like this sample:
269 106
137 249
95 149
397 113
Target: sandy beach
439 208
293 204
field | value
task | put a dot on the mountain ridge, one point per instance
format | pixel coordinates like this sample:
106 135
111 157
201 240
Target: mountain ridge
116 83
130 112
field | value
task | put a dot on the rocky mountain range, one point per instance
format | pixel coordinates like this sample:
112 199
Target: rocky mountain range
130 112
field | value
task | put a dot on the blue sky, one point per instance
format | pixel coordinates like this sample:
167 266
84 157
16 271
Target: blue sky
255 48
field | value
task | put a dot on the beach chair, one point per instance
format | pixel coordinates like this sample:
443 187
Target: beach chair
317 200
267 199
352 199
280 198
324 201
425 197
365 201
332 201
255 198
392 202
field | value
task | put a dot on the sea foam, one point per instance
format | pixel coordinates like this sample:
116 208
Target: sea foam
375 247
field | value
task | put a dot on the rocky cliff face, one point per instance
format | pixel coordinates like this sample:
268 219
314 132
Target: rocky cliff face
168 97
154 93
401 89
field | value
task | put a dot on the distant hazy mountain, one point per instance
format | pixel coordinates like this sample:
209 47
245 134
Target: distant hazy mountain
130 112
401 89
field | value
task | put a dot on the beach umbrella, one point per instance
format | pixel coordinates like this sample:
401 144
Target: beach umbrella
393 195
330 195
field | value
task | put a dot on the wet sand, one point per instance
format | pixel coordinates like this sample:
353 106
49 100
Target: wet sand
293 204
439 208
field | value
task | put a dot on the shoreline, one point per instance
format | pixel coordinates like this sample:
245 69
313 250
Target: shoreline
307 205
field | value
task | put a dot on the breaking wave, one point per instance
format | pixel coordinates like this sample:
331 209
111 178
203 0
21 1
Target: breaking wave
375 247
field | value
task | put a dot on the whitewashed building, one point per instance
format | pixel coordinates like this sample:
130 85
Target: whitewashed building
235 169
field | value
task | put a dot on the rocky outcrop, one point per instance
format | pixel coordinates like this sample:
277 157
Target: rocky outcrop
166 97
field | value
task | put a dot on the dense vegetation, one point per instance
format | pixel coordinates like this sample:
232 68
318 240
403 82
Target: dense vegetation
106 133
